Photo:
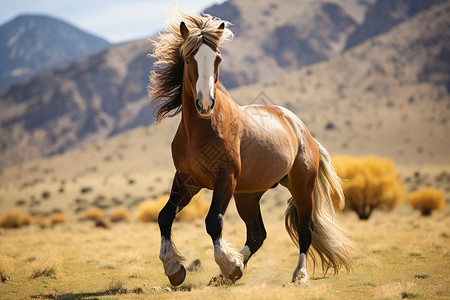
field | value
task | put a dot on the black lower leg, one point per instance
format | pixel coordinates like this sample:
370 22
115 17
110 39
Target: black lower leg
165 220
254 241
223 190
305 237
250 212
180 196
214 223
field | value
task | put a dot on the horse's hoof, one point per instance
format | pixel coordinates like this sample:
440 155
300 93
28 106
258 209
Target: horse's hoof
301 281
220 280
178 278
237 274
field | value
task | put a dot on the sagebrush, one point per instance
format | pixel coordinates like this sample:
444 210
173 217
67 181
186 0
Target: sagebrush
93 213
45 268
15 219
369 183
148 210
426 200
58 218
119 214
6 265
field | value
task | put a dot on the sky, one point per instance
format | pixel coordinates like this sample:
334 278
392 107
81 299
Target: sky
114 20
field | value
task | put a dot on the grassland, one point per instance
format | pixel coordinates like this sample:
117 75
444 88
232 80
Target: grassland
400 255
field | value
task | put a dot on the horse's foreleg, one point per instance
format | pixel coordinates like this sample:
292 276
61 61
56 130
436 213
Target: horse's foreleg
248 208
229 260
180 196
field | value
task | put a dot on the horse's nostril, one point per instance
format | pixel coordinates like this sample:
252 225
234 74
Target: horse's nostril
204 113
198 104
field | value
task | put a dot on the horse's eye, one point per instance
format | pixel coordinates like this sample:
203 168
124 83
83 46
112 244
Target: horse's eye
187 61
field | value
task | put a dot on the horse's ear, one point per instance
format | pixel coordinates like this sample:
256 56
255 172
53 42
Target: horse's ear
221 28
183 30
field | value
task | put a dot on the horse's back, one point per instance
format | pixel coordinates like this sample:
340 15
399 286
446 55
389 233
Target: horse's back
277 121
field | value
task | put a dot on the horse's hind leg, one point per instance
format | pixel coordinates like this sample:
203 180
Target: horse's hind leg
302 178
248 208
180 196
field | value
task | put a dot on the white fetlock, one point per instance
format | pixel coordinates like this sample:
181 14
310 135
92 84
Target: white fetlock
303 280
245 251
300 274
230 261
170 258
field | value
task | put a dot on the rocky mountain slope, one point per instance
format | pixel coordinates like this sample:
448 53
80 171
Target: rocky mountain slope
30 44
279 37
105 94
83 102
391 13
389 96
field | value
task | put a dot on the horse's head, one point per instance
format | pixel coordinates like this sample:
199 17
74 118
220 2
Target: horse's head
201 68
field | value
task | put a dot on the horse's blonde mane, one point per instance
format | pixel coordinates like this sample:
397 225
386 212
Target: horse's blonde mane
171 49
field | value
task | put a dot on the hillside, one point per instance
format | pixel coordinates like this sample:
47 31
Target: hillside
104 94
391 13
30 44
388 96
77 104
381 97
284 37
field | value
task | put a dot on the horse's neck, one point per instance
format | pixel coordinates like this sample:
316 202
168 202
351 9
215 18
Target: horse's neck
224 112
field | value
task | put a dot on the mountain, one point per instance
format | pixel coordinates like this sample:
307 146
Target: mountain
391 13
79 103
30 44
284 36
389 96
102 95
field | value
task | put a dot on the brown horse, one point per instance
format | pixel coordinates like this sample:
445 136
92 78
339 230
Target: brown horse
241 152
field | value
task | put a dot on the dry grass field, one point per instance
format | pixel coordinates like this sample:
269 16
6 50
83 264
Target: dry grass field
400 255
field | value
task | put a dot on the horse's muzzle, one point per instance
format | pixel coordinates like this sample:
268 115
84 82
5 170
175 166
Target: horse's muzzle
201 111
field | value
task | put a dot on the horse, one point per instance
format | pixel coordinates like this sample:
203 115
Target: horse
226 148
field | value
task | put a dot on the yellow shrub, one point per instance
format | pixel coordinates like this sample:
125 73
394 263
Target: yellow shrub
6 265
197 208
58 218
42 221
45 268
119 214
369 183
426 200
93 213
15 219
149 210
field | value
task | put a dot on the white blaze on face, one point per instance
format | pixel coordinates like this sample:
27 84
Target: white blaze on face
205 58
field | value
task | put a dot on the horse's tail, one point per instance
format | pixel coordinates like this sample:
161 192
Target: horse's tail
328 238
